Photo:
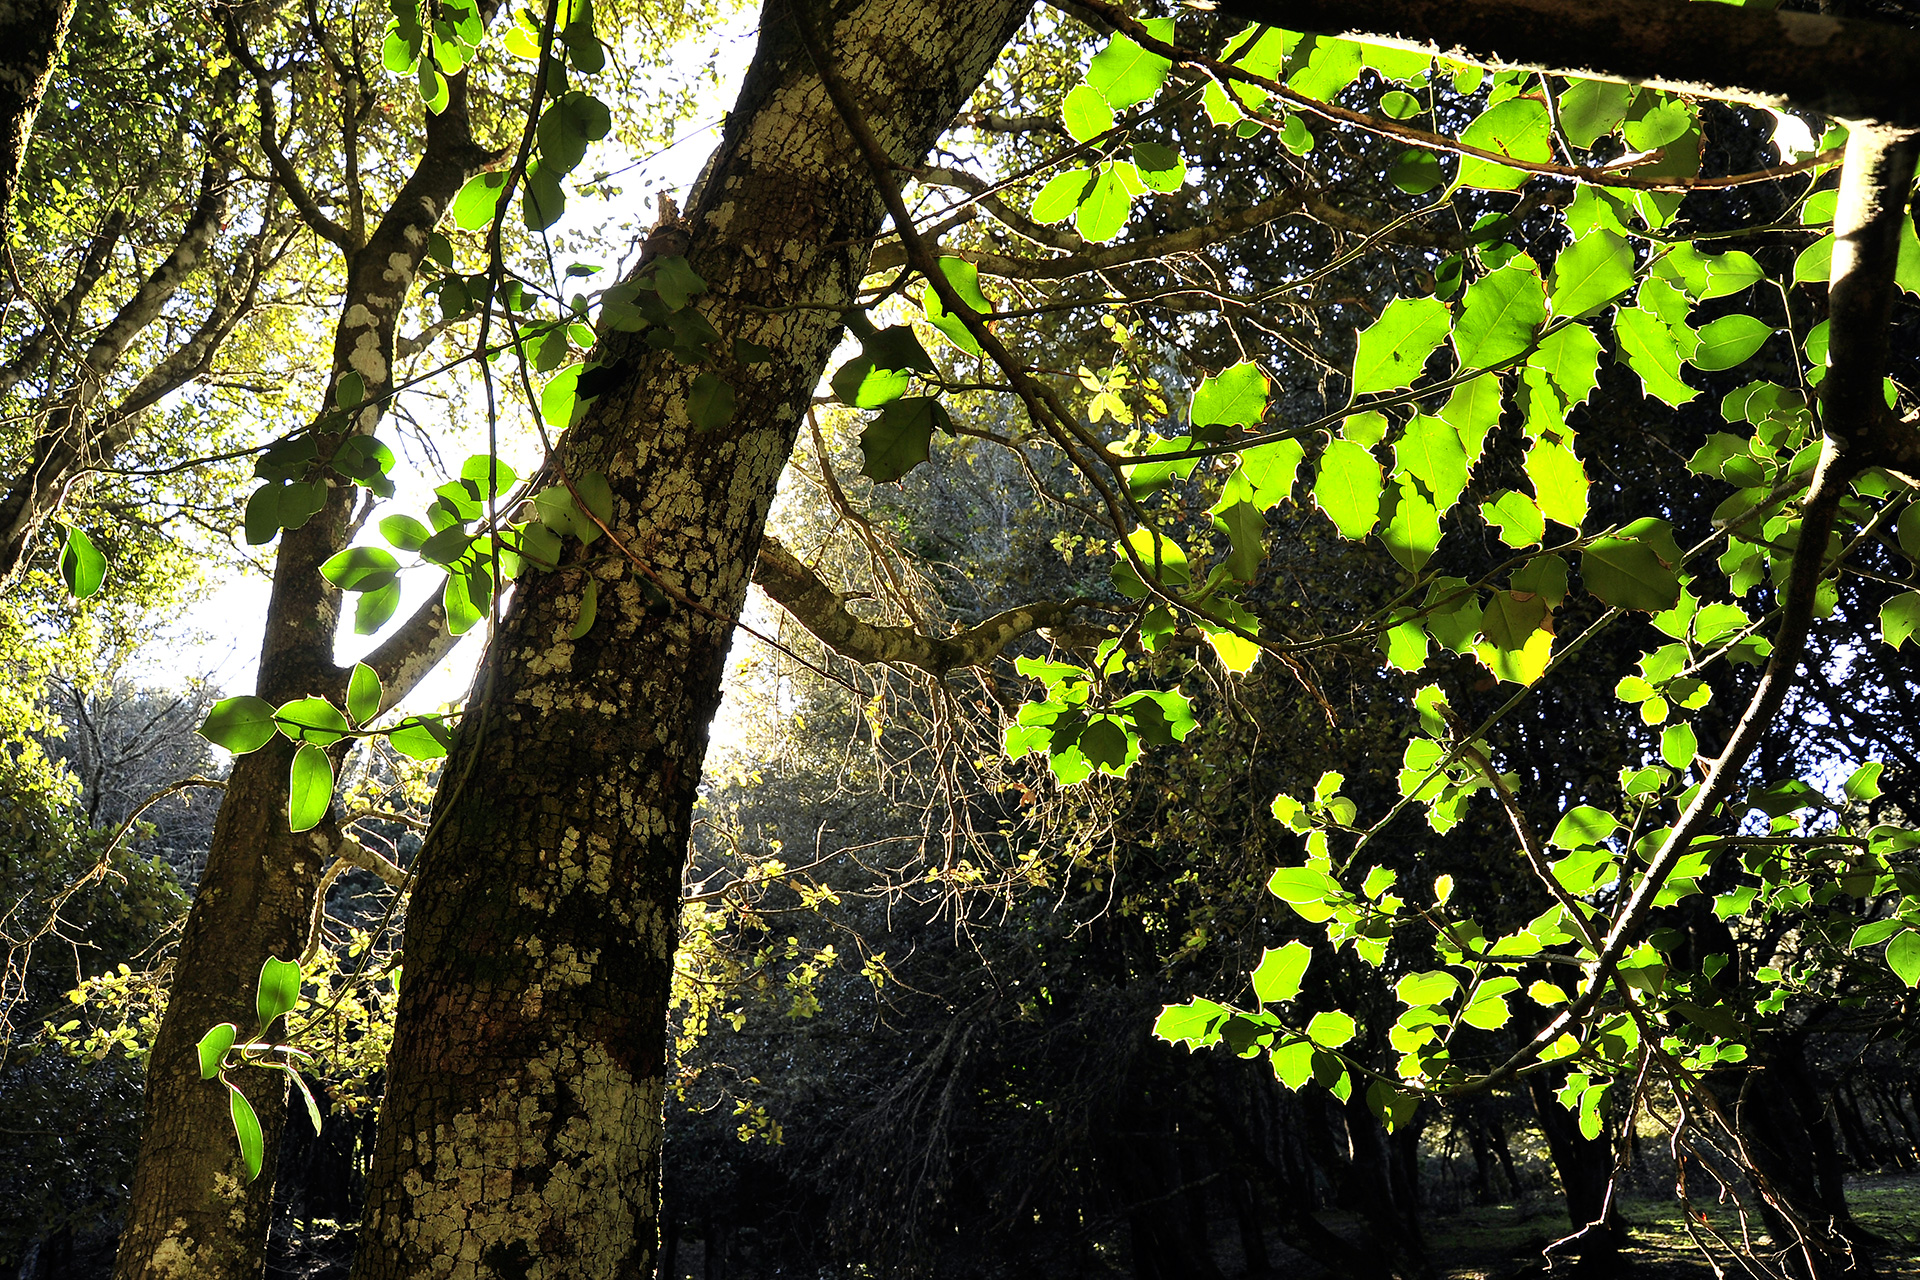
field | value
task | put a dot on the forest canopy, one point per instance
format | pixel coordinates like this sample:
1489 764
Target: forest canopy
1333 590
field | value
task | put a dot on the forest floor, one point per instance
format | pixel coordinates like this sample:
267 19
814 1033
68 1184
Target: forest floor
1502 1241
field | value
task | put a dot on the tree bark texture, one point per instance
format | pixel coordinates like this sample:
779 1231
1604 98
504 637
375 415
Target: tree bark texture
192 1212
521 1130
1859 71
31 33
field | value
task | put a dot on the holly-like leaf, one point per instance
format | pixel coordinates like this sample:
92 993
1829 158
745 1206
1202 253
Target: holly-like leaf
1592 109
1393 350
309 787
1348 488
1086 113
1591 272
1234 397
1280 972
1126 74
1411 530
1630 572
1518 127
859 384
1900 618
1559 482
1653 352
901 437
1332 1028
1430 451
1499 316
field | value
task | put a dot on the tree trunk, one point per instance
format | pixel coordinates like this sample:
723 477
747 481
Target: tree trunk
521 1130
192 1212
31 33
1585 1166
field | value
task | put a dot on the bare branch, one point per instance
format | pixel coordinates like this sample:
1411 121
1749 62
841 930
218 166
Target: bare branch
823 611
283 171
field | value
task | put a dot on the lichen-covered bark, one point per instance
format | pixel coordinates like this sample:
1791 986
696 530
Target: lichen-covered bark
31 33
192 1212
520 1134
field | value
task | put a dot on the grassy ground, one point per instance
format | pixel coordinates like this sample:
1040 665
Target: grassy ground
1488 1244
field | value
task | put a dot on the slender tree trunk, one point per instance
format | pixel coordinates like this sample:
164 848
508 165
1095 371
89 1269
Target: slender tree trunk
1585 1166
522 1125
192 1212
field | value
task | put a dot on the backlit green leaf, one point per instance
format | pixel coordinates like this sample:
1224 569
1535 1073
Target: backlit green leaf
82 567
1559 482
1102 214
479 200
1430 451
240 724
1234 397
1393 349
1628 573
1591 272
363 693
1086 113
1348 488
1653 352
1332 1029
213 1048
1729 341
1411 531
309 787
1126 74
1518 127
1592 109
1062 194
1499 316
278 990
246 1128
1900 618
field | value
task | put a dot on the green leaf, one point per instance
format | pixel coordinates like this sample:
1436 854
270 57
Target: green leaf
246 1128
860 384
1348 488
1900 618
239 724
1086 113
1196 1022
1729 341
1653 352
404 532
589 607
363 693
1161 168
1903 957
1629 573
1246 531
1429 988
559 400
1519 128
901 437
278 991
313 720
361 569
1270 470
1591 272
1569 358
1592 109
1499 316
1331 1029
1583 825
710 401
82 567
1293 1063
213 1048
1416 172
420 738
1559 483
1474 411
1280 973
1411 531
1431 452
964 277
1126 74
1678 745
1864 784
1393 350
1102 214
1234 397
676 282
1062 195
309 787
479 200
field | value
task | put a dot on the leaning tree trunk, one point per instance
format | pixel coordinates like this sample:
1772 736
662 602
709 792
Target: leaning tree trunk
521 1130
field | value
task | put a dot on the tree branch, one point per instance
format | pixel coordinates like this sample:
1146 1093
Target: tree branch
823 612
1867 72
283 171
60 315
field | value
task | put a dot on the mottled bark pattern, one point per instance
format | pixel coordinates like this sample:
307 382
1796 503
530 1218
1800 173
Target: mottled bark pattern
192 1214
31 33
521 1131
